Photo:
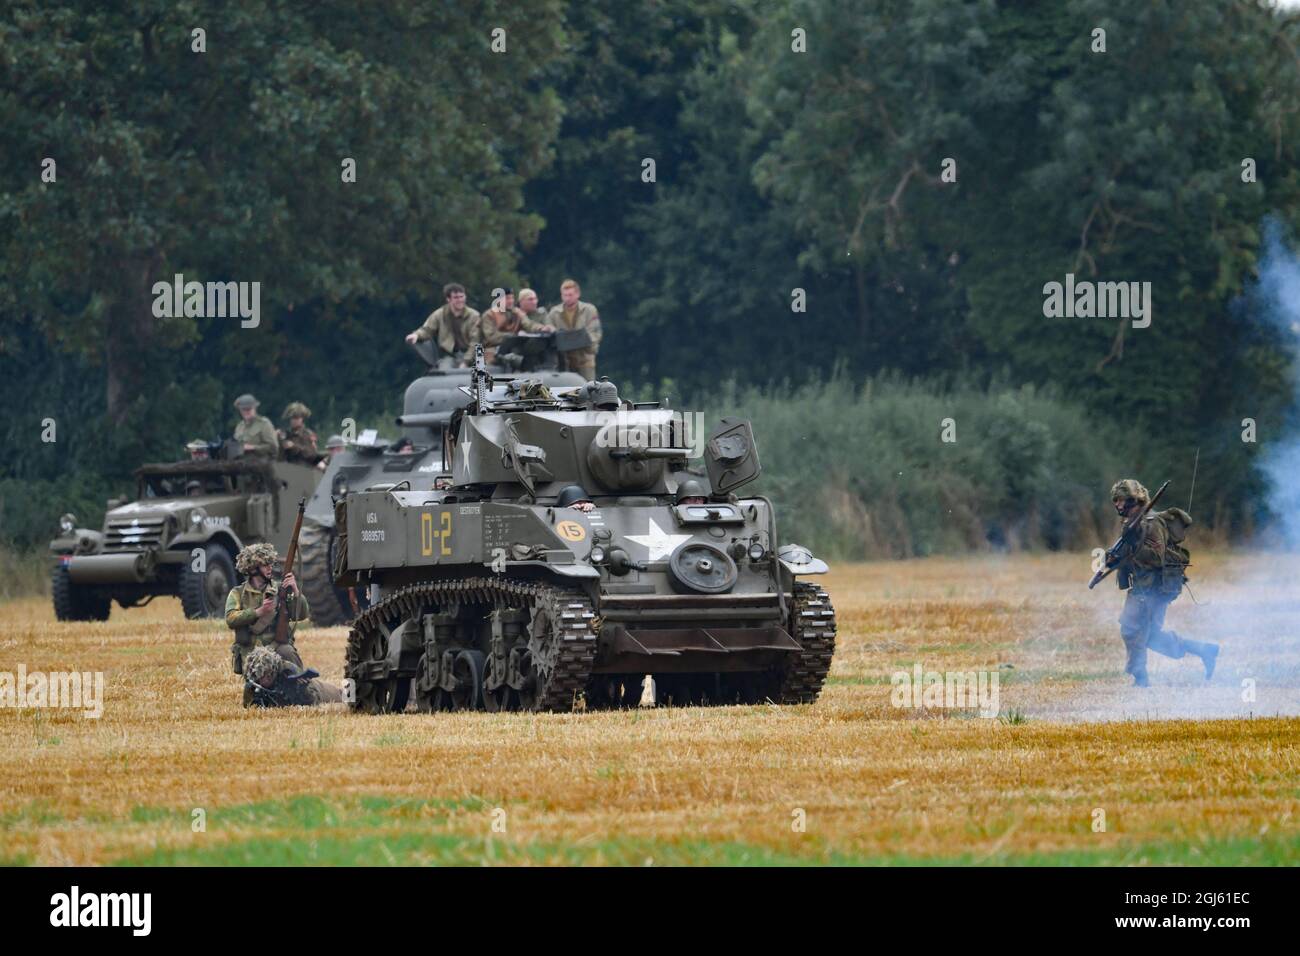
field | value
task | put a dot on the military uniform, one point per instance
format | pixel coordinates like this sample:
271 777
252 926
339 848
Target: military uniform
241 611
302 445
454 334
1154 574
582 316
272 681
257 431
496 326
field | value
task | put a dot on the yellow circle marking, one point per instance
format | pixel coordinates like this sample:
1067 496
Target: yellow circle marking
571 530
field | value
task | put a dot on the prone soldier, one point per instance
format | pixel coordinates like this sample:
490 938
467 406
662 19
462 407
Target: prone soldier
272 681
254 432
1153 573
455 327
250 607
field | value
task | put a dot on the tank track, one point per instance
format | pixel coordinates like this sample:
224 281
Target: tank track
569 646
813 626
318 577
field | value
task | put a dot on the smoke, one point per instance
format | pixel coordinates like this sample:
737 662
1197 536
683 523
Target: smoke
1275 302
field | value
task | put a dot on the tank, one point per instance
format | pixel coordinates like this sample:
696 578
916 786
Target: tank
413 453
660 584
179 536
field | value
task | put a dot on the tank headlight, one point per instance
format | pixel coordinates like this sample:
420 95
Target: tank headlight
597 554
67 523
756 552
196 518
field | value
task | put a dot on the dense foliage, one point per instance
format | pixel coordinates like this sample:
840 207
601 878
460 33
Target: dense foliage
775 171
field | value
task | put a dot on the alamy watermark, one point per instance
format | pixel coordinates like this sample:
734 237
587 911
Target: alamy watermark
635 430
71 690
208 300
1086 299
919 689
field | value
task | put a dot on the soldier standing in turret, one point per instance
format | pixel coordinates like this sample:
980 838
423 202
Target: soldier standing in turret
455 327
574 314
299 442
1153 574
503 319
254 432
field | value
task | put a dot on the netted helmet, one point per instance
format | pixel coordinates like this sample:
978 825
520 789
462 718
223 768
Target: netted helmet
296 410
250 558
690 488
1129 488
571 495
263 666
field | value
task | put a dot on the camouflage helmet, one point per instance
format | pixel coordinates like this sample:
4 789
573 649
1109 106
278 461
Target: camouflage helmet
296 409
690 488
246 401
335 441
253 556
263 666
1129 488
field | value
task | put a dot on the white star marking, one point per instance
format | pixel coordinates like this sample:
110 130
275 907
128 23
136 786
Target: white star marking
464 450
658 542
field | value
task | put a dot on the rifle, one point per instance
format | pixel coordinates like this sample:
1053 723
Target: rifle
282 618
1127 541
480 380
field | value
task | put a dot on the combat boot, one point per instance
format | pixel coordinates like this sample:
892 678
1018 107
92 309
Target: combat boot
1208 653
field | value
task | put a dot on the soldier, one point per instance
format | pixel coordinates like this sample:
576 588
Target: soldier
254 432
198 450
571 314
691 492
1153 574
272 681
333 446
532 310
299 442
575 497
503 319
250 608
455 327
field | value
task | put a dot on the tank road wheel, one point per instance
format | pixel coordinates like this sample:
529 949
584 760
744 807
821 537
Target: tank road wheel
203 593
73 603
468 671
327 602
547 671
812 624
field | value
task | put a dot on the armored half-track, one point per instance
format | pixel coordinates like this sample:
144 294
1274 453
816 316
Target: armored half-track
179 536
653 586
414 454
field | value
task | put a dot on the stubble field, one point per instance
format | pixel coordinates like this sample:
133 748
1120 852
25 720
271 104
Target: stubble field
1077 768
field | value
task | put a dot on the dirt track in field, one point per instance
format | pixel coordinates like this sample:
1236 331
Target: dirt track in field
1183 772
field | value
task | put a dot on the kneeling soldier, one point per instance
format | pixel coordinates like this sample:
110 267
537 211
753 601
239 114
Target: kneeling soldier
250 608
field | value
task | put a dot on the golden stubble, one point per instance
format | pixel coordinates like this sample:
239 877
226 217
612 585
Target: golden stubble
870 779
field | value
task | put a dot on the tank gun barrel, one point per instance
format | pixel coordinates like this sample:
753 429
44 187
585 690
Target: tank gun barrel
641 454
423 419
